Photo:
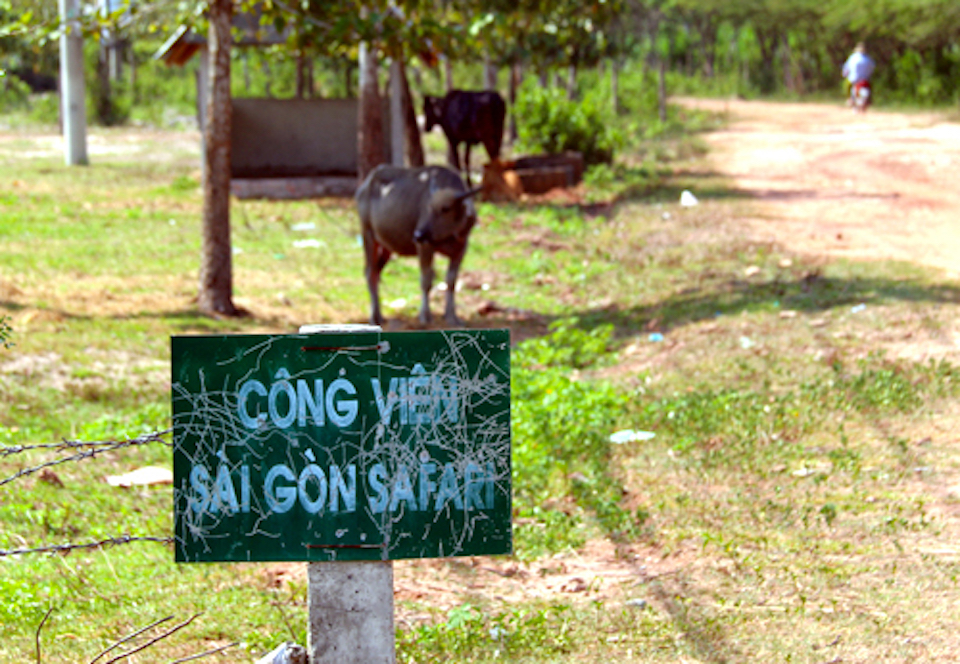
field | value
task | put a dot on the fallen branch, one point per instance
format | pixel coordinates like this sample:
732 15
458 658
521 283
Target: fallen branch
130 636
42 623
206 654
154 640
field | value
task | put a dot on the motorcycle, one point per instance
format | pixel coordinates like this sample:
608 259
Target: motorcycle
860 96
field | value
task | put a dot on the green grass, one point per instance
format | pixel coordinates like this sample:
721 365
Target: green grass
794 504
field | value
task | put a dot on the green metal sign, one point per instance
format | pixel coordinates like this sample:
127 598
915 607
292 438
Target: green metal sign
359 446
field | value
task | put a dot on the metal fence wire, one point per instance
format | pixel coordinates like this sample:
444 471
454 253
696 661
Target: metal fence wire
78 450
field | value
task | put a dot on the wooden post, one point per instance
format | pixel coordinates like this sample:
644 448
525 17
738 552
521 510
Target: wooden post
350 604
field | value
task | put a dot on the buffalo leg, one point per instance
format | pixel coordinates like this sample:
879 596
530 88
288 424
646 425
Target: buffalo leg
376 257
426 280
453 270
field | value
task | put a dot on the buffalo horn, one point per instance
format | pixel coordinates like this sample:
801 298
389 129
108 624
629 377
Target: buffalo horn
467 194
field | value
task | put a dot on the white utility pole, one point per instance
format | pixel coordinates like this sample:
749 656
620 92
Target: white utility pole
73 109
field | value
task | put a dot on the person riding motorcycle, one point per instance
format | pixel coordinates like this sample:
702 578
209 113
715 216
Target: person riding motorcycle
857 70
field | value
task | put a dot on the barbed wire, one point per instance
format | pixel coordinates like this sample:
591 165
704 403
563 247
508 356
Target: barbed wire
152 437
66 548
89 450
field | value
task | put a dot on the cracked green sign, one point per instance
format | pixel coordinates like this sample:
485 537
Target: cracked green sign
359 446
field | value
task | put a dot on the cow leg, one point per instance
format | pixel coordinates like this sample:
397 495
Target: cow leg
453 270
453 153
466 162
492 144
375 258
425 253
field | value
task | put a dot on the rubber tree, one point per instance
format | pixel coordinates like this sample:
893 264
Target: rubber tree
216 270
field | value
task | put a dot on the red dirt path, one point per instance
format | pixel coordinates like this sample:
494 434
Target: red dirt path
877 186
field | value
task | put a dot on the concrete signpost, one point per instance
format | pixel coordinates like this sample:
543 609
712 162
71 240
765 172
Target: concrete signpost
344 446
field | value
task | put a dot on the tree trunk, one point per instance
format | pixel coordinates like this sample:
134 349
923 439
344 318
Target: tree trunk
662 88
267 76
516 77
398 133
448 72
489 73
301 92
413 144
571 82
105 106
347 71
370 137
216 272
133 75
785 64
766 43
708 44
615 85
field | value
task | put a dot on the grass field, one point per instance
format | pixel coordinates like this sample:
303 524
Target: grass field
799 501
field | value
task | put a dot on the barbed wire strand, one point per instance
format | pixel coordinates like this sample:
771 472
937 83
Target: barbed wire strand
155 639
98 448
56 462
206 654
152 437
66 548
131 636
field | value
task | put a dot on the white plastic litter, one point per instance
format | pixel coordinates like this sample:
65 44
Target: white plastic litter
687 199
630 436
305 226
309 244
288 653
146 476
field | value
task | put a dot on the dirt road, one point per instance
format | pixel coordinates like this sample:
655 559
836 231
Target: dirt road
829 182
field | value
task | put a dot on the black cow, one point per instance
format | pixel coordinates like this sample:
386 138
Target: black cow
37 81
467 117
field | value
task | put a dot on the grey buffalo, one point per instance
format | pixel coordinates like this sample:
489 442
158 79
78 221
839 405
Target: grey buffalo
415 212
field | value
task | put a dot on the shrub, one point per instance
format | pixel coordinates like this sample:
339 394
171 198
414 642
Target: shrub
549 122
14 93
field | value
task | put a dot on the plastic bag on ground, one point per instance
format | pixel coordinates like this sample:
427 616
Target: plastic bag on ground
288 653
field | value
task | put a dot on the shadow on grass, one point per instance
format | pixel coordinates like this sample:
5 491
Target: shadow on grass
703 632
809 293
